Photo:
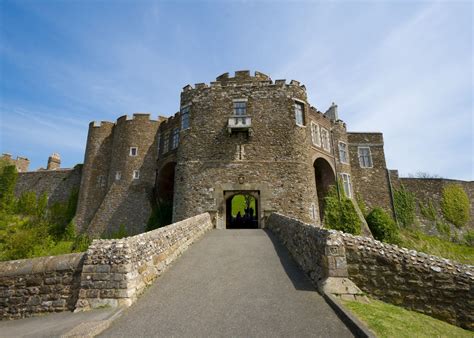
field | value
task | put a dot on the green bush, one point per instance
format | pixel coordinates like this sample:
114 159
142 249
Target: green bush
8 179
341 214
362 205
161 215
469 237
444 229
428 210
404 206
455 205
382 226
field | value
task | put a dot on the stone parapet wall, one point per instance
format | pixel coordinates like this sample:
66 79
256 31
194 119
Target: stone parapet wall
116 271
45 284
432 285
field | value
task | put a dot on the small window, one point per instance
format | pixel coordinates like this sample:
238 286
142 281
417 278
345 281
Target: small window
346 184
185 118
343 153
133 151
365 157
118 175
325 139
158 141
240 108
166 142
299 113
101 181
315 135
175 139
136 174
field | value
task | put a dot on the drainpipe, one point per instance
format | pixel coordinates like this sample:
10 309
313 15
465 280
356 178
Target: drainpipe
392 199
335 164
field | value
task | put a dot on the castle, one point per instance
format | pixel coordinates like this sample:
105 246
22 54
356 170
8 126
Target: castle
244 134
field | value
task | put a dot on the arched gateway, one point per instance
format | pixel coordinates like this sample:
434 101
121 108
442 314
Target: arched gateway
325 178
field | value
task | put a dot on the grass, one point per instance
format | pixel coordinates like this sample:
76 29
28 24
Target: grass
238 204
387 320
419 241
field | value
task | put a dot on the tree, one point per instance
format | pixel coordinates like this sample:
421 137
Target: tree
7 187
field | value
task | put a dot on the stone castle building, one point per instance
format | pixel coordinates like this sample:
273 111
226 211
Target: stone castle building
244 134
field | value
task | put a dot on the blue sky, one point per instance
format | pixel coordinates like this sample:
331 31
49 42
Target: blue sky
402 68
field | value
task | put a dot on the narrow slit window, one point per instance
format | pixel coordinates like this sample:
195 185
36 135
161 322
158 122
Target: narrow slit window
136 174
133 151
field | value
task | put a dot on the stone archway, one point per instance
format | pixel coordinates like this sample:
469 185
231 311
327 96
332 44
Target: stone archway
165 192
242 209
325 178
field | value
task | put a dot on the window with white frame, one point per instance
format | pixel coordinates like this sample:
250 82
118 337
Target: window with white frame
365 157
175 139
136 174
118 175
240 107
299 113
346 184
325 139
166 142
185 118
343 154
315 135
133 151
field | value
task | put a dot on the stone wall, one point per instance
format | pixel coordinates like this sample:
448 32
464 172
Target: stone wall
45 284
428 284
432 285
431 189
57 184
115 272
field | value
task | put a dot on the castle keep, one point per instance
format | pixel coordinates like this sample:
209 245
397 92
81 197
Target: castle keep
239 135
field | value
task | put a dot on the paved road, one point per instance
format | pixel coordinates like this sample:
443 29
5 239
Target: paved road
232 283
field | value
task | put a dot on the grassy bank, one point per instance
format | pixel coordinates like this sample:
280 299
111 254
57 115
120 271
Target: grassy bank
387 320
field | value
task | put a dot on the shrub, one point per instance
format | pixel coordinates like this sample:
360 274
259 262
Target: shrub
455 205
428 210
404 206
469 237
8 179
382 226
444 229
161 215
27 204
340 214
362 205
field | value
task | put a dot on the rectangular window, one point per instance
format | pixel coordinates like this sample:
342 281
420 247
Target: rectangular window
133 151
365 157
343 152
158 140
166 142
240 108
175 139
325 139
118 175
315 135
299 113
185 118
346 184
136 174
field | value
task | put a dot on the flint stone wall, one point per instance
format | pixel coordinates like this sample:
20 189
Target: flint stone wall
38 285
432 285
115 272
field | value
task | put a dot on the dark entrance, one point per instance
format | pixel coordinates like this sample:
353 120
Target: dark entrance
325 178
242 209
164 191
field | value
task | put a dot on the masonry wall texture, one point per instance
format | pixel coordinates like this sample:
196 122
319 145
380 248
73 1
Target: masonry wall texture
57 184
424 283
115 272
45 284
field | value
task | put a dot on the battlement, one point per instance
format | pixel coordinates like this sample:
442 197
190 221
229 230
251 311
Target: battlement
242 78
170 121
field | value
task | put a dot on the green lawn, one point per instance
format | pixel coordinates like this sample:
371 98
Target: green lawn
387 320
238 204
417 240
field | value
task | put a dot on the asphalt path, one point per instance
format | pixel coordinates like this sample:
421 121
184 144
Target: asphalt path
232 283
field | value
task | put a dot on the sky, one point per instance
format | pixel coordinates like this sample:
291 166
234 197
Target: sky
403 68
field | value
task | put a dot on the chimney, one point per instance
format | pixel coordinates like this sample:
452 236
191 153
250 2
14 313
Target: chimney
331 113
54 162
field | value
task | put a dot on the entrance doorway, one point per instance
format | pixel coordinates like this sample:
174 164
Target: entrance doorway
165 191
325 178
242 209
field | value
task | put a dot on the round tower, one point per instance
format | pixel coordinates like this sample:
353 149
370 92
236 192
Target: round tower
243 136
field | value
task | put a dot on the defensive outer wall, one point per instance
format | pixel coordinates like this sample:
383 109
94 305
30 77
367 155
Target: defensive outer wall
115 272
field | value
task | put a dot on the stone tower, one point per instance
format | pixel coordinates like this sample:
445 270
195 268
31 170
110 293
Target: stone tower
54 162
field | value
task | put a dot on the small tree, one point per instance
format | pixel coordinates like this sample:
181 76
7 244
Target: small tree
455 205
